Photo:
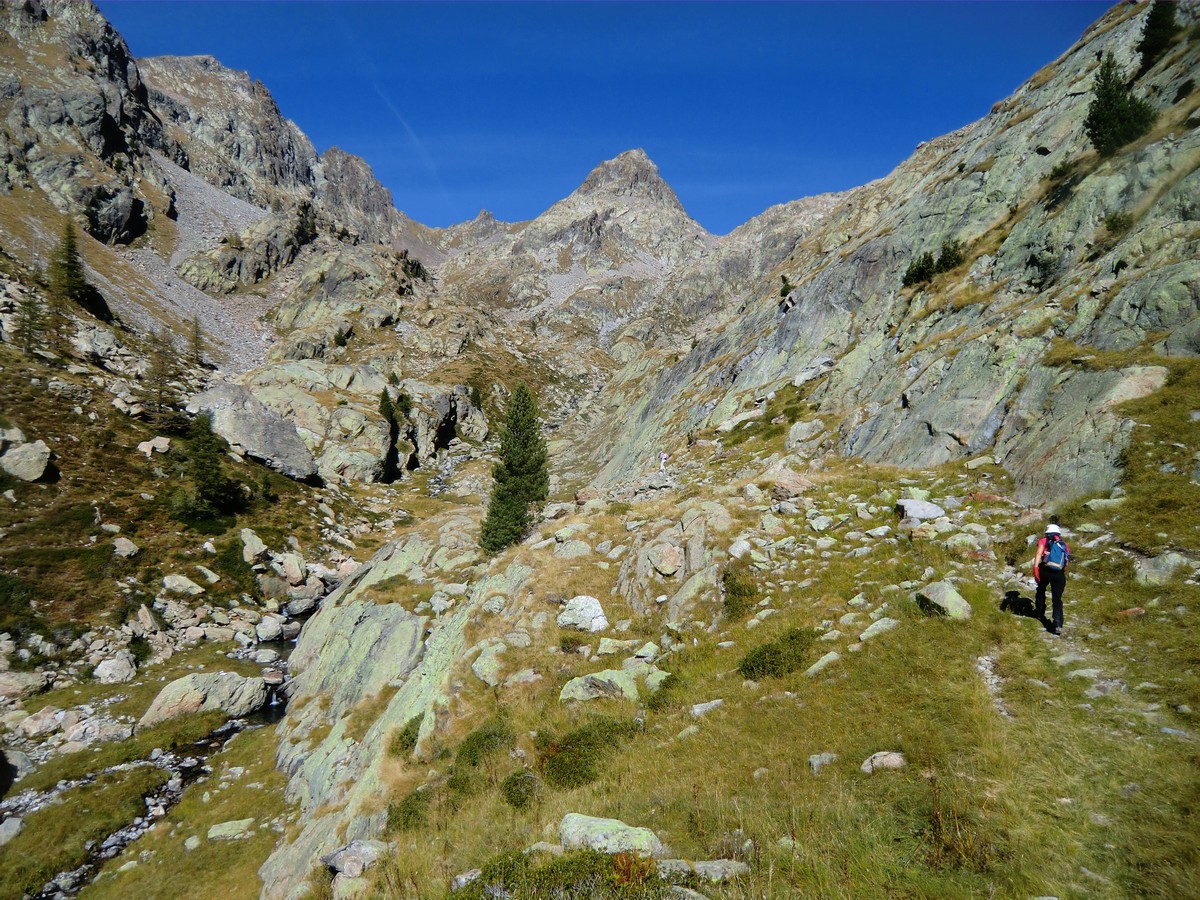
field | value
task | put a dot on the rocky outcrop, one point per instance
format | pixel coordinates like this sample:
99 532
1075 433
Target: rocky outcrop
73 113
350 651
250 426
923 375
225 127
252 255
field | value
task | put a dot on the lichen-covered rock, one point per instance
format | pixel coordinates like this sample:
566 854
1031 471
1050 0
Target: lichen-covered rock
583 613
608 684
580 832
941 598
225 691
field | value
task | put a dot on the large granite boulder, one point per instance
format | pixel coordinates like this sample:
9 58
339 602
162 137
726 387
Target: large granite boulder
262 434
226 691
26 461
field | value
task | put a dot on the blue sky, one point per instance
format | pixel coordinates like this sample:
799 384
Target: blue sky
508 106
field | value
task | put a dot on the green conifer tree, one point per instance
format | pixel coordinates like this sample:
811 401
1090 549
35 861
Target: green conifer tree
1160 27
67 278
159 392
215 493
520 480
1115 116
29 324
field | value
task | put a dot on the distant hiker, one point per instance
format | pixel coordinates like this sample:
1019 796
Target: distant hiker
1050 570
662 460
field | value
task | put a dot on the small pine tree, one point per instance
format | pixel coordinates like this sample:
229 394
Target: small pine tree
215 493
67 278
195 344
1160 27
520 480
29 326
387 409
403 404
951 257
1115 116
158 385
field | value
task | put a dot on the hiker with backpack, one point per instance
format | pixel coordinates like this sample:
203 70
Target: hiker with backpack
1050 570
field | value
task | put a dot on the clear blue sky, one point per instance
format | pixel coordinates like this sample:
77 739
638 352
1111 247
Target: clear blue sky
463 106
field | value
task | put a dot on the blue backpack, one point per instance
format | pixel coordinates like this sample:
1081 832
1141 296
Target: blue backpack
1056 555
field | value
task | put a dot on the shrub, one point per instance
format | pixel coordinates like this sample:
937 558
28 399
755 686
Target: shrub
404 741
1117 223
920 270
1115 116
16 615
574 760
741 590
583 873
519 789
570 643
409 813
780 657
483 742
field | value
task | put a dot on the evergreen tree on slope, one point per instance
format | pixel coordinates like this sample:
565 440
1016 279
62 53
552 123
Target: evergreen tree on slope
520 480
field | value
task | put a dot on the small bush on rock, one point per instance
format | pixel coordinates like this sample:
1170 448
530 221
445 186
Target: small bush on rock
405 740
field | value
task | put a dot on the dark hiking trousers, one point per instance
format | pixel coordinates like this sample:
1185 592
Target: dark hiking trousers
1056 580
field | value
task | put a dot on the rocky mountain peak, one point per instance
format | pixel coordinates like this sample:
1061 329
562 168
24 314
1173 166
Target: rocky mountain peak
632 174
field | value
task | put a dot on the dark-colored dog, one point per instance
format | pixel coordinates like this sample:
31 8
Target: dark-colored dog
1014 603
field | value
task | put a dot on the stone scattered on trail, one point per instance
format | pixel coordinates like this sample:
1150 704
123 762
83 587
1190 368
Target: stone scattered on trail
226 691
117 670
941 599
43 722
236 830
823 663
192 843
253 547
21 684
354 858
919 509
583 613
487 666
877 628
611 683
580 832
154 445
26 461
883 760
666 559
